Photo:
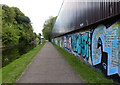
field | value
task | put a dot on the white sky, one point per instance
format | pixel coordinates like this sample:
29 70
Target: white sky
37 10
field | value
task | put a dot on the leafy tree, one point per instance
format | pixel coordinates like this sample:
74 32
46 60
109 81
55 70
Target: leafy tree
8 14
35 35
39 37
16 27
22 19
0 24
9 36
48 25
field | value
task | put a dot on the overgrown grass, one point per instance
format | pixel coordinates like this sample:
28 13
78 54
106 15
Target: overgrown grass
13 71
87 73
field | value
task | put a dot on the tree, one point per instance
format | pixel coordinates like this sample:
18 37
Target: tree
16 27
39 37
8 14
22 19
47 28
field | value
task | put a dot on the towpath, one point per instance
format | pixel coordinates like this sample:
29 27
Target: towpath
49 67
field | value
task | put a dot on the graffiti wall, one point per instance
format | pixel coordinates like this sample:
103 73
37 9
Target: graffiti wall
99 47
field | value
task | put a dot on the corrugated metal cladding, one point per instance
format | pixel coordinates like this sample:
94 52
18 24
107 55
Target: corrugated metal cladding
75 14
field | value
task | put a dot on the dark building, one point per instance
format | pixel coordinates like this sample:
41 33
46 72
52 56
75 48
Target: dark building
90 30
76 14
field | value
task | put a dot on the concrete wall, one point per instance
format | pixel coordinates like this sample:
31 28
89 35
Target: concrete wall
99 47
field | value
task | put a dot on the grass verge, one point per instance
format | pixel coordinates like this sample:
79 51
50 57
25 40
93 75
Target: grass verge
87 73
13 71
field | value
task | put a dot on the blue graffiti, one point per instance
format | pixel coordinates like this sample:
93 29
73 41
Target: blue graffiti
100 44
74 43
104 65
80 44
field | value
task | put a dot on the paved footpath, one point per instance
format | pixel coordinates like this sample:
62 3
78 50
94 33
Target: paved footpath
49 67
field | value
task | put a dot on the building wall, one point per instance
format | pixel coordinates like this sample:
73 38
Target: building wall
76 14
98 47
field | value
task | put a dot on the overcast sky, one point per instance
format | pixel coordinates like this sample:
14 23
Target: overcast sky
37 10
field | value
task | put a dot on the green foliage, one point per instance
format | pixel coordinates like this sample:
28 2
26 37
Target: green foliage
48 25
8 14
13 71
39 36
16 27
0 26
9 36
35 35
22 19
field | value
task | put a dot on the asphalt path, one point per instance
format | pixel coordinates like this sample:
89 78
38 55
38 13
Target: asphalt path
49 67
